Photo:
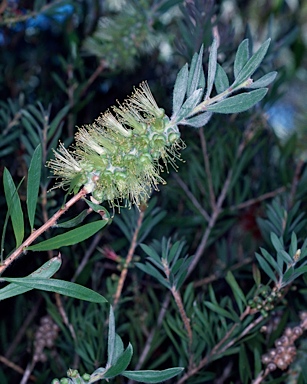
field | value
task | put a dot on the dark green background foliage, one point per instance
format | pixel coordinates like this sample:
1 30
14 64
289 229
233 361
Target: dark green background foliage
227 224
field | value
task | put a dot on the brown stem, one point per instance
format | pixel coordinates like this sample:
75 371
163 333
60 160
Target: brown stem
124 272
256 200
34 235
218 349
184 317
15 367
192 198
218 205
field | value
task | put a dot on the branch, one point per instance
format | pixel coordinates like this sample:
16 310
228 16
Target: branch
34 235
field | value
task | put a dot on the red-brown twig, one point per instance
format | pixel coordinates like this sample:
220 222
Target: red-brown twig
124 272
34 235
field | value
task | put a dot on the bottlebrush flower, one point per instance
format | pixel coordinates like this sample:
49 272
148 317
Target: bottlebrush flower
117 157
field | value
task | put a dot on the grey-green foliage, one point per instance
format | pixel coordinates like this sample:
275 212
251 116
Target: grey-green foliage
193 106
165 257
118 360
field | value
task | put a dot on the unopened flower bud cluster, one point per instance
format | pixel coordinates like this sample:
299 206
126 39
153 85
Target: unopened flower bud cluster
285 351
45 336
265 302
117 157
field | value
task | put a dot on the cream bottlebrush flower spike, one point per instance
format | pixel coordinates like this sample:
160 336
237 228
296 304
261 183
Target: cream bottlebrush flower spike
117 157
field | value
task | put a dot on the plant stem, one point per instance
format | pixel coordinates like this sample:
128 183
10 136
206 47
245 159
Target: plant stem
128 259
219 348
184 317
34 235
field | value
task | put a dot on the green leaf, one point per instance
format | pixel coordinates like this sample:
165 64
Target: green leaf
98 208
266 268
242 57
180 88
196 72
14 206
277 244
221 81
221 311
121 364
150 270
111 338
198 121
73 222
211 68
244 367
189 105
69 238
57 120
65 288
46 270
238 103
264 81
237 291
34 176
152 376
252 64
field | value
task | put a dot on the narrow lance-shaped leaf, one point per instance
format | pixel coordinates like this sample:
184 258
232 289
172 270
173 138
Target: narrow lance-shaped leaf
239 103
266 268
121 364
46 270
221 80
242 57
14 206
198 121
69 238
196 76
180 88
252 64
236 290
211 68
152 376
111 338
264 81
34 176
65 288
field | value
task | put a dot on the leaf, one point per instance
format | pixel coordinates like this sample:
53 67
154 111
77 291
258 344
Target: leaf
69 238
196 72
152 376
221 311
65 288
266 268
236 290
46 270
57 120
264 81
244 367
73 222
34 176
221 80
14 206
189 105
276 242
242 57
180 88
150 270
121 364
198 121
211 68
252 64
98 208
238 103
111 338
